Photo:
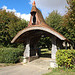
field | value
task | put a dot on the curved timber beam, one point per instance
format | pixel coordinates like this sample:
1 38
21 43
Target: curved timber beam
53 32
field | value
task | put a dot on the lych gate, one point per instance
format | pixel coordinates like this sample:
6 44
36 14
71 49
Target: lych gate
36 28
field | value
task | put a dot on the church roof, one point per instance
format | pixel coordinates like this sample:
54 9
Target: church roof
33 30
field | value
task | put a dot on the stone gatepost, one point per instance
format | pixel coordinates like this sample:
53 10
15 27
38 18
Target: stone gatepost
27 52
54 48
53 53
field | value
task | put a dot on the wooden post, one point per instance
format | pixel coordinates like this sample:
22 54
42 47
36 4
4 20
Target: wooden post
54 48
66 45
61 45
35 47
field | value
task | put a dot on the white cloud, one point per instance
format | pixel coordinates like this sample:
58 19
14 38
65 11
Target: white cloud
22 16
10 10
48 6
18 14
26 17
4 7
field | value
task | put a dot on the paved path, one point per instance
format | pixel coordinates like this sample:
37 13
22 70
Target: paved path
31 68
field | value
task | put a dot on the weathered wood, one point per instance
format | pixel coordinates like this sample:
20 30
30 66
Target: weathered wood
35 47
65 45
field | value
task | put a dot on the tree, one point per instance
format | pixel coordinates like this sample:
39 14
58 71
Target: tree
54 20
69 21
45 42
9 26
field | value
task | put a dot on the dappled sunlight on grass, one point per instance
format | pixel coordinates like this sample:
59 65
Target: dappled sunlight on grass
61 72
45 51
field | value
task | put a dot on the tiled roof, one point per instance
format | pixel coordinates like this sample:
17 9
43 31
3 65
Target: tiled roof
25 33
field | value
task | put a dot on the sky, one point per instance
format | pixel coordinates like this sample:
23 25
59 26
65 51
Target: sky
22 8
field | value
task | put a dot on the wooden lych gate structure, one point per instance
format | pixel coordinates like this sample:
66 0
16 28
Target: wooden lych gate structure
36 28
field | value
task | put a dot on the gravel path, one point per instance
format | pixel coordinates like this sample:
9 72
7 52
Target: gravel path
36 67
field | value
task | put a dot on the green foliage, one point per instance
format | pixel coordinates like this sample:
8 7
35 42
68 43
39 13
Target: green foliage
9 27
45 42
61 71
64 24
69 21
10 55
15 27
65 58
54 20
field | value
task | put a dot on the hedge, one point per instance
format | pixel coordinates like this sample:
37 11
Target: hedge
10 55
65 58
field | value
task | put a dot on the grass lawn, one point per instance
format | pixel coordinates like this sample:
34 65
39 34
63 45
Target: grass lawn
45 51
61 72
6 64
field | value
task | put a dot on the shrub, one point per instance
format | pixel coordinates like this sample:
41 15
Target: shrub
65 58
10 55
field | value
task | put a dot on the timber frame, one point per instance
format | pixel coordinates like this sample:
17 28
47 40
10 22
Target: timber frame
31 34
